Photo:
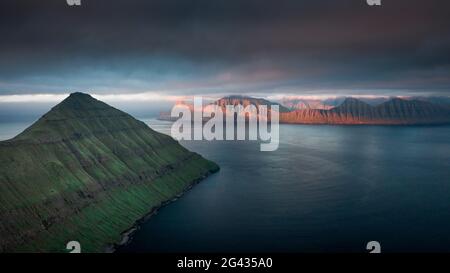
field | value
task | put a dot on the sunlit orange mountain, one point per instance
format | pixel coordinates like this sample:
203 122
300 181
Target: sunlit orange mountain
394 111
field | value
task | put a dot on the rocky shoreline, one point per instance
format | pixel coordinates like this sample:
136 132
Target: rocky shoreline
127 235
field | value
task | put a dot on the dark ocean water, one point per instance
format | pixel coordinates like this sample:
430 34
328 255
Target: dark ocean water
327 188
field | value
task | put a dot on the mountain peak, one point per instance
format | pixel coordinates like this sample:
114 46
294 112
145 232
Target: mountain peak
80 101
80 96
78 114
353 102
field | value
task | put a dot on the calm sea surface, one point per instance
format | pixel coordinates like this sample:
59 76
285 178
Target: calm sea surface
327 188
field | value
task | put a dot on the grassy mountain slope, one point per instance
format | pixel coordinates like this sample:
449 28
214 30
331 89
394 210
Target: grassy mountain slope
86 171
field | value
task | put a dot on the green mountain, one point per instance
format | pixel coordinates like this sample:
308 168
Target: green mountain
87 172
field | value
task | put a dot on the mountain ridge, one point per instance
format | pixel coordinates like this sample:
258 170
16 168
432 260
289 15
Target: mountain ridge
352 111
75 106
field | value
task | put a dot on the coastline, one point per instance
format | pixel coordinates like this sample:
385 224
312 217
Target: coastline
128 235
392 123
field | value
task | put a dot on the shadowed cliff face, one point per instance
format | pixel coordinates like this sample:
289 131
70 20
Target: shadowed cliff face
86 172
353 111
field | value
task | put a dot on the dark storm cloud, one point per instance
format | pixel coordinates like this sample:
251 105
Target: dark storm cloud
189 46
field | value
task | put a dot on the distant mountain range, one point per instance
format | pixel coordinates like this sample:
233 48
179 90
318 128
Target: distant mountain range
86 172
347 110
392 112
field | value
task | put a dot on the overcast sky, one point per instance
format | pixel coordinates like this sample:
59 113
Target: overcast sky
170 48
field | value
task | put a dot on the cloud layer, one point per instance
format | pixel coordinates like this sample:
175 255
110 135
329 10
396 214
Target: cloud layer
189 47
